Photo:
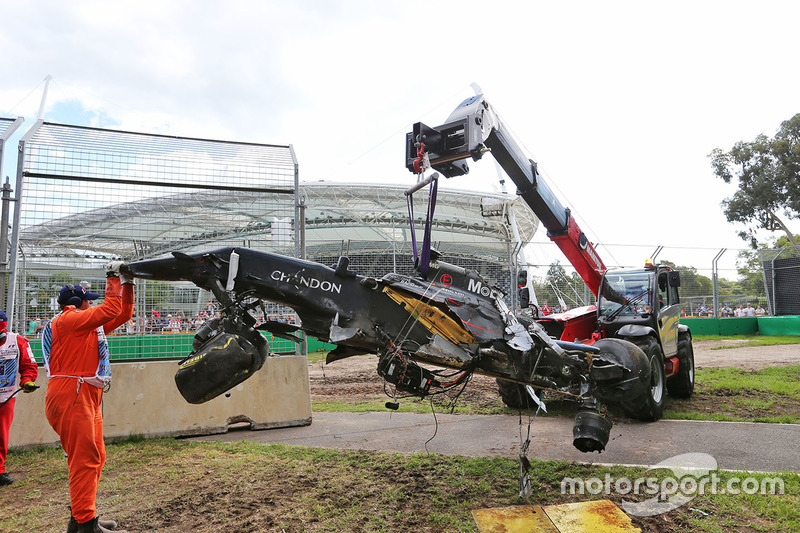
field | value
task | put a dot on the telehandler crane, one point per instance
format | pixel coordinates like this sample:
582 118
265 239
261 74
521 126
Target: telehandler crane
638 305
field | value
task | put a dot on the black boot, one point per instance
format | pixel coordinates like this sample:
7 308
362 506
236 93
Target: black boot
85 527
111 525
92 526
5 479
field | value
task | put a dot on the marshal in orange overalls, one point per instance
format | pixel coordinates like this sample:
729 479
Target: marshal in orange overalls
73 406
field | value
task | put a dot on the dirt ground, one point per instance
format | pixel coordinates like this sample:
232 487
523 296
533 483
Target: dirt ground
744 357
202 490
355 378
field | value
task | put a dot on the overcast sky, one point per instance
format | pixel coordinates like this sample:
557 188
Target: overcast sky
619 102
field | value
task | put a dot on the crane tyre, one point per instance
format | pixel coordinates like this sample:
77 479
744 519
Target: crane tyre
650 406
681 385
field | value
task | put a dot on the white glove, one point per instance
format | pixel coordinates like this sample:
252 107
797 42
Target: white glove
112 268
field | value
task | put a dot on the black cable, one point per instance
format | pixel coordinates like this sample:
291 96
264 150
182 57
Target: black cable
436 427
459 393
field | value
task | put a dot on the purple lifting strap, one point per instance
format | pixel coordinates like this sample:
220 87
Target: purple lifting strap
410 203
425 255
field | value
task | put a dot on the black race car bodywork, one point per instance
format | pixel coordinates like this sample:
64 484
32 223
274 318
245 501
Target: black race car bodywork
451 318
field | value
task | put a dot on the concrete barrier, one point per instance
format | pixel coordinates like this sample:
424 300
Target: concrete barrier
779 325
770 325
144 400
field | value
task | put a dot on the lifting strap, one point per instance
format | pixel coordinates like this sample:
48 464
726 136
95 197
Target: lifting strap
422 257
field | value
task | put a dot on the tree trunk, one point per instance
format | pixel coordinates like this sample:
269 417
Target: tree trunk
786 230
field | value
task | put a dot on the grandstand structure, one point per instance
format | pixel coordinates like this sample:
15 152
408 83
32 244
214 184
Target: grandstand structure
369 223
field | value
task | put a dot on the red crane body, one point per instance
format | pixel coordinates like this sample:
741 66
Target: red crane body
473 129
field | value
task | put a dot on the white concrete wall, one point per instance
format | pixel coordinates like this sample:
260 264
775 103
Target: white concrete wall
144 400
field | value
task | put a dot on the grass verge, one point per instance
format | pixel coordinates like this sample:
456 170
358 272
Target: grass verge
748 340
732 394
172 485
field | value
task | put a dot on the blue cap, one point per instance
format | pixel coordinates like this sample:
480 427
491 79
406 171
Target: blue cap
74 295
3 317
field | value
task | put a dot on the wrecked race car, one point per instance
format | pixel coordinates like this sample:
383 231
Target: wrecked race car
449 317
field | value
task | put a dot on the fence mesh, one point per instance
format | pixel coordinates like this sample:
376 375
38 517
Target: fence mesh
782 279
5 126
93 195
736 276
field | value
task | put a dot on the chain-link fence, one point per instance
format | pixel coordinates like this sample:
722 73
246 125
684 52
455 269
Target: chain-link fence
782 279
8 126
370 225
375 259
89 195
714 282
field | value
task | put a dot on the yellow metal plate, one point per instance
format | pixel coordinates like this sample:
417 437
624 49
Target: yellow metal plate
601 516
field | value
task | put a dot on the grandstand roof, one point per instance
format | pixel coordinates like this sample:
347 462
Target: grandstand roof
335 213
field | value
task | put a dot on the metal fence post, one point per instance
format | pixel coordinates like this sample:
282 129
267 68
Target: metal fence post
715 280
299 236
12 277
5 134
4 213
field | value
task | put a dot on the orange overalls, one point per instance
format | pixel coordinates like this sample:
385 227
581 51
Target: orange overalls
73 407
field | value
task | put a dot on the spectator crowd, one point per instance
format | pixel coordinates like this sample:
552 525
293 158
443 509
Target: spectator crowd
160 322
726 311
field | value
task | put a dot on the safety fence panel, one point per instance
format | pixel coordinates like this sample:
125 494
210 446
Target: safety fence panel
713 280
91 195
5 124
782 280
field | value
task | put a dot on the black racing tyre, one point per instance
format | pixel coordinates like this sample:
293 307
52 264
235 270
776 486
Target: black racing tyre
515 395
681 385
650 406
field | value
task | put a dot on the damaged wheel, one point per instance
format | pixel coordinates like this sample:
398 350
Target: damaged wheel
515 395
650 406
225 354
681 385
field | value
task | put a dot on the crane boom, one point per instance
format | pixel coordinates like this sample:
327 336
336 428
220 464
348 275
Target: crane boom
475 128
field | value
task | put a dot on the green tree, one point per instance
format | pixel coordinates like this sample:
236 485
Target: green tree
784 242
727 287
558 287
751 275
544 293
694 284
768 174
